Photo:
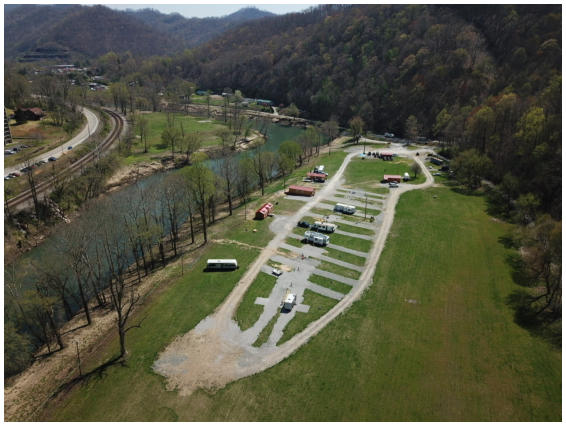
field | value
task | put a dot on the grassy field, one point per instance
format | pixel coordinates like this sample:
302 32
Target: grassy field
248 312
345 257
331 284
319 305
157 122
335 269
366 174
351 242
432 339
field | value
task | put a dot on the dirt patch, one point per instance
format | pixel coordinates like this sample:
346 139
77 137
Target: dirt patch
130 174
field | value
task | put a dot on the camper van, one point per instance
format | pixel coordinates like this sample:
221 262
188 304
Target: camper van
221 264
316 238
323 227
344 208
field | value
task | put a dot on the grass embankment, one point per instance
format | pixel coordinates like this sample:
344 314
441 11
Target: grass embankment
248 312
454 354
330 284
157 122
366 174
340 270
345 257
319 305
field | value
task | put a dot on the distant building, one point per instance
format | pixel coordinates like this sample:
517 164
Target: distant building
264 102
25 114
317 177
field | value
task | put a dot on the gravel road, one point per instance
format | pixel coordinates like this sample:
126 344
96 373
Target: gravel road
214 353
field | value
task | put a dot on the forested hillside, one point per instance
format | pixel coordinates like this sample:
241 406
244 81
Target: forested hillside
196 31
487 77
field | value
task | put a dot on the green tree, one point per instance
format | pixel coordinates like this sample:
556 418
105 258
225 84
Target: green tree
411 128
357 128
200 180
470 166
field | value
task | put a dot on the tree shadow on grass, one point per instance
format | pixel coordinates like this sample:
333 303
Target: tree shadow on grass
96 373
526 312
465 191
539 325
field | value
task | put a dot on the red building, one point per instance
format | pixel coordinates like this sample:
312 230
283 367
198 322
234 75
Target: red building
392 178
264 211
317 177
300 190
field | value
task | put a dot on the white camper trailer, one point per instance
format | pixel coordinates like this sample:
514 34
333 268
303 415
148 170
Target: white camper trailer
221 264
316 238
344 208
323 227
289 301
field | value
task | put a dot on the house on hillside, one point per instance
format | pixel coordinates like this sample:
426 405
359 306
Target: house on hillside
28 114
264 102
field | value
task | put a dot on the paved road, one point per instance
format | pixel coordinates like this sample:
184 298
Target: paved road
214 352
89 128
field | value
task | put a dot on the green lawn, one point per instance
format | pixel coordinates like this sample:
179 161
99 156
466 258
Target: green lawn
319 305
248 312
293 242
366 174
331 284
433 339
345 257
340 270
266 332
157 122
351 242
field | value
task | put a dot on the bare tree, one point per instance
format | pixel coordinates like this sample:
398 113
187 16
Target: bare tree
142 125
227 166
200 180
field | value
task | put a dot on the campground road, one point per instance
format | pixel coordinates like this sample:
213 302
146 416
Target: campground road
90 127
214 354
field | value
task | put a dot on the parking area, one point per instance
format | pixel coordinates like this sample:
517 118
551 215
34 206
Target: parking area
329 270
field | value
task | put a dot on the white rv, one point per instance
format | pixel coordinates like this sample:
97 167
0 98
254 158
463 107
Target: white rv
289 301
323 227
406 176
344 208
316 238
221 264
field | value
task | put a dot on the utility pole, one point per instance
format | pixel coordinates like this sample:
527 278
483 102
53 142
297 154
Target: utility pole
366 207
79 359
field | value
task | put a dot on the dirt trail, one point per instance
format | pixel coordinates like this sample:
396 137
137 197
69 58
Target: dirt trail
213 354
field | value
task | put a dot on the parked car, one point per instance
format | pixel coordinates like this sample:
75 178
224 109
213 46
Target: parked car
304 224
389 135
40 163
7 177
14 174
276 272
52 159
393 185
69 147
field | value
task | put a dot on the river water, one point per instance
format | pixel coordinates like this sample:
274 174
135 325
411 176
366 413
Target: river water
24 270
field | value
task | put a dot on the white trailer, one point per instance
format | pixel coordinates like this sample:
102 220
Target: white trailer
221 264
344 208
323 226
289 301
317 238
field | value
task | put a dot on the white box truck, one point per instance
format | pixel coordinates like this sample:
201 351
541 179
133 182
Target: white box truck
316 238
344 208
323 227
289 301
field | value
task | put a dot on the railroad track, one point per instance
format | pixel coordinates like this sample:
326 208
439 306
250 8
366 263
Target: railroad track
43 188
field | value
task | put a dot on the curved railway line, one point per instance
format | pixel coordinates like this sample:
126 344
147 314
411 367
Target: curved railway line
23 199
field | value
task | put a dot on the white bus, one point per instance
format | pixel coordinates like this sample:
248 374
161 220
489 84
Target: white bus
221 264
